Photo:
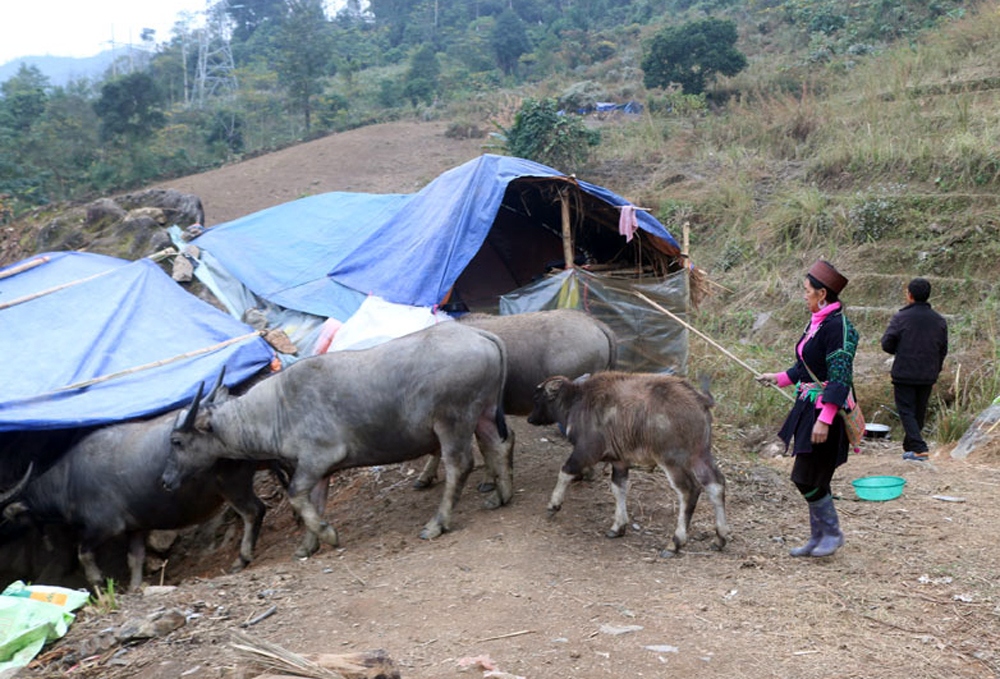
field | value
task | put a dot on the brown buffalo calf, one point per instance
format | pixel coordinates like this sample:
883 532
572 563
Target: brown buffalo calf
642 420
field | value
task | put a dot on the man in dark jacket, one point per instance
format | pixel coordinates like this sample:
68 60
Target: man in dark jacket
918 336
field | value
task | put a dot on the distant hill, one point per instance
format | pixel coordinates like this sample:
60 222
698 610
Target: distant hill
61 70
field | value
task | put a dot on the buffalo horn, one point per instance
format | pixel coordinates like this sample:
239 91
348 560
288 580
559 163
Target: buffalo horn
215 389
7 495
188 423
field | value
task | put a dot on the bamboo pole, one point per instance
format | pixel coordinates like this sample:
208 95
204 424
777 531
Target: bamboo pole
147 366
156 256
567 232
708 339
14 270
49 291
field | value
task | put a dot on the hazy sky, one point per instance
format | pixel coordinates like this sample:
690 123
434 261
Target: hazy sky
82 28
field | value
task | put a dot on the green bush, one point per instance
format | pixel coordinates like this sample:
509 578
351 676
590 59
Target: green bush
541 133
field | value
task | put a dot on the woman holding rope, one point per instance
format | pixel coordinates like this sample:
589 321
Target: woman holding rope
823 375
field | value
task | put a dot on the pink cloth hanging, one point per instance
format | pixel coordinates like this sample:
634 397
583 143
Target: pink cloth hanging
627 222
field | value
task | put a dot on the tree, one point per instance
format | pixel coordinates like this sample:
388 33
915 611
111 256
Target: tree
541 133
129 107
510 41
305 53
422 76
249 15
692 55
24 98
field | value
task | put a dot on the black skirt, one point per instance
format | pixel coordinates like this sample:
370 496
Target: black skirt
814 463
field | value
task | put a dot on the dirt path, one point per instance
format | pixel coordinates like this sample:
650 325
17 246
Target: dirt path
913 593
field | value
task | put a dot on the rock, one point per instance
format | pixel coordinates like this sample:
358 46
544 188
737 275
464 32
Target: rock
255 318
183 271
280 341
161 540
103 212
154 213
155 625
154 590
182 209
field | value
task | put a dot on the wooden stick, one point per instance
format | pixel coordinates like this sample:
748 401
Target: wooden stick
14 270
507 636
707 339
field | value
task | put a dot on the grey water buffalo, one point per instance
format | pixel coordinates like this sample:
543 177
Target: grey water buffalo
634 419
429 391
109 484
541 344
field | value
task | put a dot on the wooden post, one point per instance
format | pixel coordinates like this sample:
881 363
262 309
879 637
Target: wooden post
567 232
686 261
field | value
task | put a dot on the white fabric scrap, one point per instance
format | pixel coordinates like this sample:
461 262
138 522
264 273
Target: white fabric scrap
377 321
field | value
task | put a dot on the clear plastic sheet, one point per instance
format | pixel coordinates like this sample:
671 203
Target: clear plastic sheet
648 340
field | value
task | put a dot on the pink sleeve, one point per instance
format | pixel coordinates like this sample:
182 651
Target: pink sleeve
827 413
783 380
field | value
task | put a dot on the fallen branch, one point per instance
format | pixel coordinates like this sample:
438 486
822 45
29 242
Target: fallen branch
508 635
263 616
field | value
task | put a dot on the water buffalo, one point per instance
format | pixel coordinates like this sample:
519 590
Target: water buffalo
540 344
425 392
635 419
108 484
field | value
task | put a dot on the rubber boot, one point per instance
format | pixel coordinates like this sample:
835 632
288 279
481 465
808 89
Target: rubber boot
831 537
817 533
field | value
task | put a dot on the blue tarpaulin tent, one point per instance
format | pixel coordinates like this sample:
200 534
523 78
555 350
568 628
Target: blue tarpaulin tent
89 339
323 254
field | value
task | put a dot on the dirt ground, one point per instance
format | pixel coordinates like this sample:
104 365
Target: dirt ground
913 593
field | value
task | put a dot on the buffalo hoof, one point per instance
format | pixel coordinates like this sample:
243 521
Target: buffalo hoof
422 484
486 487
238 565
430 532
668 553
493 501
309 546
615 532
553 511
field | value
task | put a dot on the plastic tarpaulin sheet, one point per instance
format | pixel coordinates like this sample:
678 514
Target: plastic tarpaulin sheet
648 340
324 254
418 253
284 253
31 616
90 340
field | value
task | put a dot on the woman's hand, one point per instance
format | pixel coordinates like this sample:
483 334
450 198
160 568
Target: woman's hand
767 378
820 431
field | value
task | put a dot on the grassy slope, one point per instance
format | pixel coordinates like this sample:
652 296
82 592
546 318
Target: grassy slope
888 165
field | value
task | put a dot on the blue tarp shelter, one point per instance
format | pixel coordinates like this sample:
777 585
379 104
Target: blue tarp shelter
89 339
475 232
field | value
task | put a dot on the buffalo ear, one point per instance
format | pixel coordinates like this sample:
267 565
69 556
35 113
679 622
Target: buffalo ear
552 386
192 411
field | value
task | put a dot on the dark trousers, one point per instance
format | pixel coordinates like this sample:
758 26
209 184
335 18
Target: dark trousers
911 405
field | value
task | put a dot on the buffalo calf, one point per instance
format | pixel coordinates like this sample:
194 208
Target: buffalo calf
637 420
